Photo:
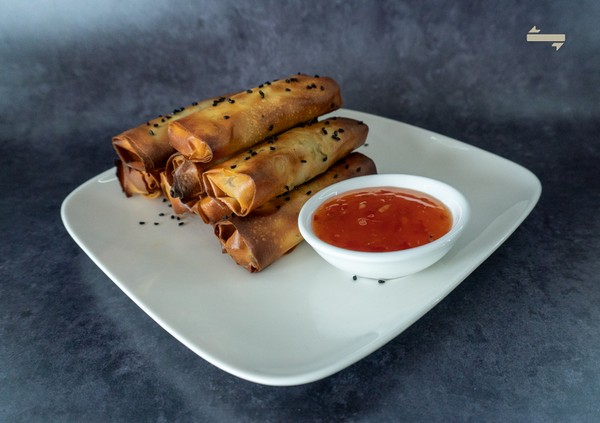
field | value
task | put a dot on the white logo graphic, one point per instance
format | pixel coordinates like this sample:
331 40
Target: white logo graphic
557 40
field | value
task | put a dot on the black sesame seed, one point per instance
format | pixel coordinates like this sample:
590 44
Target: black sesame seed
147 123
178 218
381 281
278 206
288 80
225 117
156 223
231 100
162 120
221 99
308 87
172 217
271 148
175 111
270 127
354 277
151 132
324 131
287 89
335 137
335 176
261 85
181 223
161 214
326 122
308 192
195 103
347 166
233 166
287 198
249 91
142 223
247 157
287 188
156 125
294 79
358 169
341 130
215 103
164 200
262 95
254 153
325 158
302 161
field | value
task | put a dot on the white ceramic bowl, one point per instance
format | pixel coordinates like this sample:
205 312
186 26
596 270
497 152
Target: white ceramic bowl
393 264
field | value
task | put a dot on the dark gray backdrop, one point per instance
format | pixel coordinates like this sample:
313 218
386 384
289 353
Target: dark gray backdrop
517 341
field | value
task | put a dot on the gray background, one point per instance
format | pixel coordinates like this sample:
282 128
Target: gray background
519 340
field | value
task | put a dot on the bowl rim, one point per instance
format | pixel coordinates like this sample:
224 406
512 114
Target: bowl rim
372 181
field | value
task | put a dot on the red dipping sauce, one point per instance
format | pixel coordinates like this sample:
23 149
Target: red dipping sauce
381 219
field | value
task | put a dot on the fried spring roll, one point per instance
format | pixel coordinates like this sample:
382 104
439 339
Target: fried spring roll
250 179
257 240
137 182
237 122
210 209
146 147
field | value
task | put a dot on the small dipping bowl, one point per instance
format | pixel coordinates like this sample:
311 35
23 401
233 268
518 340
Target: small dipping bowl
391 264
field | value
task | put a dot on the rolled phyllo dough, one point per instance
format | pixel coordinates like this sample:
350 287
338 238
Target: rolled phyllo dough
257 240
251 178
239 121
146 147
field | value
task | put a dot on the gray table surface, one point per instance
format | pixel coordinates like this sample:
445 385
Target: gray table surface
518 340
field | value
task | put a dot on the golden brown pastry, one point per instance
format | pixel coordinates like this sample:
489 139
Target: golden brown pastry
137 182
251 178
210 209
257 240
146 147
239 121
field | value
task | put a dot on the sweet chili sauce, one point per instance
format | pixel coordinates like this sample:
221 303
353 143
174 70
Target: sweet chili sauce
381 219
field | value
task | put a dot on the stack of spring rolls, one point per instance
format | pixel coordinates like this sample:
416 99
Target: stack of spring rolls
247 162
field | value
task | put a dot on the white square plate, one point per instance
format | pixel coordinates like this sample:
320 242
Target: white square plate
300 319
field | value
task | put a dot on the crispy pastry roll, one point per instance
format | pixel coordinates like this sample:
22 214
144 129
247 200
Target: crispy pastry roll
237 122
146 147
210 209
137 182
251 178
257 240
